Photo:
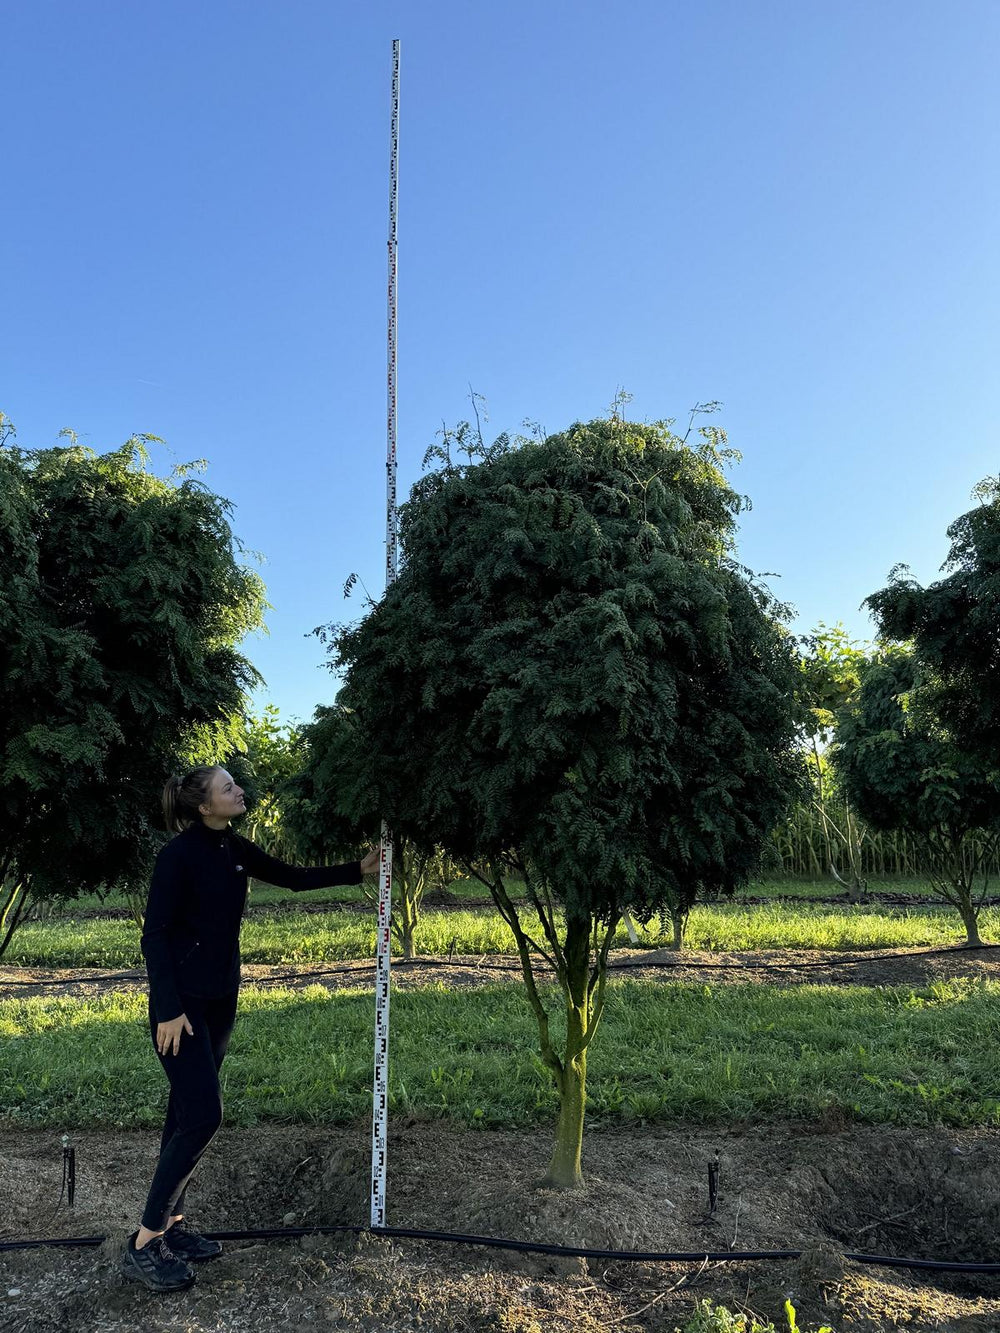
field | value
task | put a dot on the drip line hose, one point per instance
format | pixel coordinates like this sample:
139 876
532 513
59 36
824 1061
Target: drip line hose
532 1247
364 966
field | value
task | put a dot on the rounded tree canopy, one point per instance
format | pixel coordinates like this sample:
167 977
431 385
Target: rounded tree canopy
122 600
899 765
954 623
571 665
320 799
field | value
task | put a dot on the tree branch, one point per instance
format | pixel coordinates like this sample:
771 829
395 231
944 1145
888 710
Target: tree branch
546 916
601 971
509 913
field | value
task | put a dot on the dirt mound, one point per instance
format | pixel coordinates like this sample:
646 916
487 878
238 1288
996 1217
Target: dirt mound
920 1197
604 1215
301 1181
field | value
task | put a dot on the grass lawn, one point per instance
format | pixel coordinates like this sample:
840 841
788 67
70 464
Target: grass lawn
665 1052
332 936
266 895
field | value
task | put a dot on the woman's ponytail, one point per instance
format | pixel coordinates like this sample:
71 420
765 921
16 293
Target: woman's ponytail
183 796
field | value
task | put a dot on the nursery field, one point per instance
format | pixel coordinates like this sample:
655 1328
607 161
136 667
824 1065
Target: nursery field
324 936
852 1097
472 892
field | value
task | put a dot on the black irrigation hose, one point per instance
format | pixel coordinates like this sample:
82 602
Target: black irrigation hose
534 1247
363 965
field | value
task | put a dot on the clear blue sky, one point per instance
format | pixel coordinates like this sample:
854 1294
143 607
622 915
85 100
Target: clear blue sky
789 206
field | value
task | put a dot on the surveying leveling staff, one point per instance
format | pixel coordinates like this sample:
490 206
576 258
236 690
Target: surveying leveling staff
191 943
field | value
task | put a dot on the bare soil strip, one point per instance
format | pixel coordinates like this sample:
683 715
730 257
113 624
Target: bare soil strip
925 1194
775 967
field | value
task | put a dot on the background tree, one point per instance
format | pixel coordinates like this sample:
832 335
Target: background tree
328 816
270 754
954 625
122 599
572 681
901 767
831 664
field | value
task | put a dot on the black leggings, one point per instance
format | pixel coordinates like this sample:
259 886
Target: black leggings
194 1110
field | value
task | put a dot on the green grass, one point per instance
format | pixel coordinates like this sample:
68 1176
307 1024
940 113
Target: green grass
673 1052
275 938
332 936
266 895
730 926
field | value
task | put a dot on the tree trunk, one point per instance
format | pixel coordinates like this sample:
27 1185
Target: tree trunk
970 919
412 883
678 921
565 1168
962 884
135 900
856 893
13 901
410 878
582 979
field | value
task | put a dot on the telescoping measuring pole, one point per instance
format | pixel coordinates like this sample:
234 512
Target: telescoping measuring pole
380 1099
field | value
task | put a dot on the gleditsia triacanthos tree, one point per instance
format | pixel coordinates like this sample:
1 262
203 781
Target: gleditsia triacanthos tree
572 682
898 764
122 600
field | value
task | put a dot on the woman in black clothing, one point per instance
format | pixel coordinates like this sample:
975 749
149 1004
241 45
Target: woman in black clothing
190 942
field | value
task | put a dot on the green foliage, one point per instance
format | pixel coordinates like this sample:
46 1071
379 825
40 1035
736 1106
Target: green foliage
954 625
830 675
571 665
326 817
899 762
901 766
122 599
269 754
709 1318
329 812
925 741
830 667
801 847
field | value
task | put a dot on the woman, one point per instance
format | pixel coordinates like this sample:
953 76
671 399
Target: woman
190 942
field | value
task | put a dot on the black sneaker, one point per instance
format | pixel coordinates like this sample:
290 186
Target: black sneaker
189 1246
156 1266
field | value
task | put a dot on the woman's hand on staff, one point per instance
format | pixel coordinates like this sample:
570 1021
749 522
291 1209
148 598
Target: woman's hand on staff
169 1034
371 862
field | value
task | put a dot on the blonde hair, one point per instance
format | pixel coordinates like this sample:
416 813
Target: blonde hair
183 796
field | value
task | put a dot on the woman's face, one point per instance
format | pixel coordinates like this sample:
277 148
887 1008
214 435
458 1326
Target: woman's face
225 798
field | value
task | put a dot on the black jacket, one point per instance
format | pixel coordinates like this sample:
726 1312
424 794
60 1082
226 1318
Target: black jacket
191 937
